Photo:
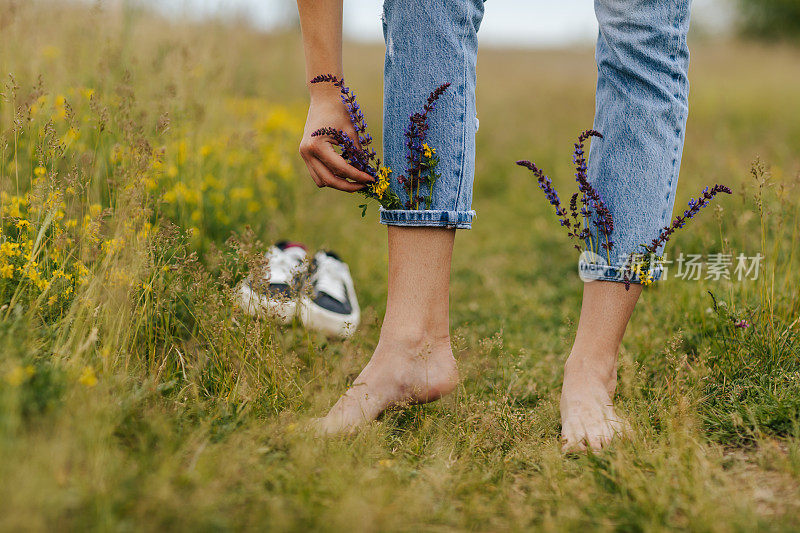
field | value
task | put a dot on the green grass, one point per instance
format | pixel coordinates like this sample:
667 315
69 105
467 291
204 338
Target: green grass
192 423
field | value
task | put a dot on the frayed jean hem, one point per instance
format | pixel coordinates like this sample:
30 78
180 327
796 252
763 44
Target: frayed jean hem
600 272
427 218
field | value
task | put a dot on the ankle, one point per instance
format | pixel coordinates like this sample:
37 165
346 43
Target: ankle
414 345
415 337
597 364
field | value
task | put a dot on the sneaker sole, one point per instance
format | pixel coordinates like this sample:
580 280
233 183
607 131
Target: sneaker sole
258 305
320 319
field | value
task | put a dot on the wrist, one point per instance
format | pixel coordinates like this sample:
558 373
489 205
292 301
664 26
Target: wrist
323 91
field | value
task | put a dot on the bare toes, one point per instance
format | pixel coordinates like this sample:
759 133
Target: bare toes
572 446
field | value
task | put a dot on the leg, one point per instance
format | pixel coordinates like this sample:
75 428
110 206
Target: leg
590 374
413 362
428 43
642 106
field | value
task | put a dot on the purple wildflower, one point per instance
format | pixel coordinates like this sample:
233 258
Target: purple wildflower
546 185
604 221
680 221
590 200
694 207
416 133
353 109
350 152
744 324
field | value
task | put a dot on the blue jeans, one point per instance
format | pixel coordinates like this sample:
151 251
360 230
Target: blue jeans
641 109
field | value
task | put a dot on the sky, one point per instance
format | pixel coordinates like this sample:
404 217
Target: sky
519 23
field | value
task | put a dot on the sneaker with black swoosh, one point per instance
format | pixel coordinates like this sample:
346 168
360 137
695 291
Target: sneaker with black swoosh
274 291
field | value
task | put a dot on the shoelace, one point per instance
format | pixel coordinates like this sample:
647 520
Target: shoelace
330 276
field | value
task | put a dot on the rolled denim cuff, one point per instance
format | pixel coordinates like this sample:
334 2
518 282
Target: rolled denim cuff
589 271
427 218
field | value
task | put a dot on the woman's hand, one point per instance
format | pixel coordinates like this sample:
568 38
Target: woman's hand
321 22
326 166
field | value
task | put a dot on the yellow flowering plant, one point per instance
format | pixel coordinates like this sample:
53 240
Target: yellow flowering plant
38 264
242 174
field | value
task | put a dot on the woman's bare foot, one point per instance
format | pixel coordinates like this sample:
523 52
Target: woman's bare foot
413 362
588 418
401 372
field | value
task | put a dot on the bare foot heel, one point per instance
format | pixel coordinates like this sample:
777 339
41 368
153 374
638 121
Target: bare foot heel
399 373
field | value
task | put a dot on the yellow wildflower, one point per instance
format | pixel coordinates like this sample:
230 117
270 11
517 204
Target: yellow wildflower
40 171
82 271
71 136
428 151
9 249
182 151
7 271
112 245
88 377
35 276
17 375
380 187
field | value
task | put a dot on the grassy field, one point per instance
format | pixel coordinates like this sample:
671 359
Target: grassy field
144 164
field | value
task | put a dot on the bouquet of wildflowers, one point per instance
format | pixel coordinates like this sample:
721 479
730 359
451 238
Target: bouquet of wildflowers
421 174
582 205
587 208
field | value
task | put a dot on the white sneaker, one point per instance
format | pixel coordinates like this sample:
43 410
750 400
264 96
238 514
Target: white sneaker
331 305
274 294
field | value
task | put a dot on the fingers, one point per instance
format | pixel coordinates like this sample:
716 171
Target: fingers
325 178
314 176
336 163
329 169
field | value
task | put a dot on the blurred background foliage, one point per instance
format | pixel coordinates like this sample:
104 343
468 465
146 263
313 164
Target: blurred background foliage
770 19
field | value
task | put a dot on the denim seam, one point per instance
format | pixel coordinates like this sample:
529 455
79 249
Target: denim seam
462 155
676 42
